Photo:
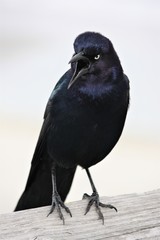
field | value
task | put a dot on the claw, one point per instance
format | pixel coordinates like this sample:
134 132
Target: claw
66 208
108 206
85 196
89 206
58 203
51 210
94 198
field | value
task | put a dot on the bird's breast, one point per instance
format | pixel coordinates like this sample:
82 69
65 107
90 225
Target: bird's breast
83 135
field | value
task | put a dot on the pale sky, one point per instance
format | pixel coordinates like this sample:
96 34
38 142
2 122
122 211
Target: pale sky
36 44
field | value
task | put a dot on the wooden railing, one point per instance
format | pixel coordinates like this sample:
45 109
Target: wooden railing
138 217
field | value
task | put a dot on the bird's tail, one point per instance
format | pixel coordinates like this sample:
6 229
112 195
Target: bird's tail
38 191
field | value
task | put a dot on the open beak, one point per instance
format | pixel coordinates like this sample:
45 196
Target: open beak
82 65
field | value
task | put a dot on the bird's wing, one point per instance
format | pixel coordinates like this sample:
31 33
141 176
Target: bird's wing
40 155
38 188
40 151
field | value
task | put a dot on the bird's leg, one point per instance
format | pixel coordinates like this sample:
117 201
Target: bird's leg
94 198
56 199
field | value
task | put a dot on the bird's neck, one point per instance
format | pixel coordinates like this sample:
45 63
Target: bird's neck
95 91
101 88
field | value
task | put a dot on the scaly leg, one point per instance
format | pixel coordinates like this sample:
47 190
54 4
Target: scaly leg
94 198
56 199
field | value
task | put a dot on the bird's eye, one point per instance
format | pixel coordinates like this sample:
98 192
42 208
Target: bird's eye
97 57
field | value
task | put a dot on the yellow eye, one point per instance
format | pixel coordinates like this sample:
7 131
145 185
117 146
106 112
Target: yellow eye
97 57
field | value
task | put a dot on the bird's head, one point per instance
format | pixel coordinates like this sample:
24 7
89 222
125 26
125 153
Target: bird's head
94 56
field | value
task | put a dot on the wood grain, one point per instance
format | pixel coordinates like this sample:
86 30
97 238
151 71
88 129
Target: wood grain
138 217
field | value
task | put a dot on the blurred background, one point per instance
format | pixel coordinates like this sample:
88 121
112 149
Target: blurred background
36 43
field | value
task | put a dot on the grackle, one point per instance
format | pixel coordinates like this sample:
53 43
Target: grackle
83 121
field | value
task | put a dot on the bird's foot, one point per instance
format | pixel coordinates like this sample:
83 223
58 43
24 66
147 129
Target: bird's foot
94 198
58 204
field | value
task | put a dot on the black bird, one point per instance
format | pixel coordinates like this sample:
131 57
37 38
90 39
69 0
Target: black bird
83 121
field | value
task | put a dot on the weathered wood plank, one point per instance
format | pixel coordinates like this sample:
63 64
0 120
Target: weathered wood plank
138 217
